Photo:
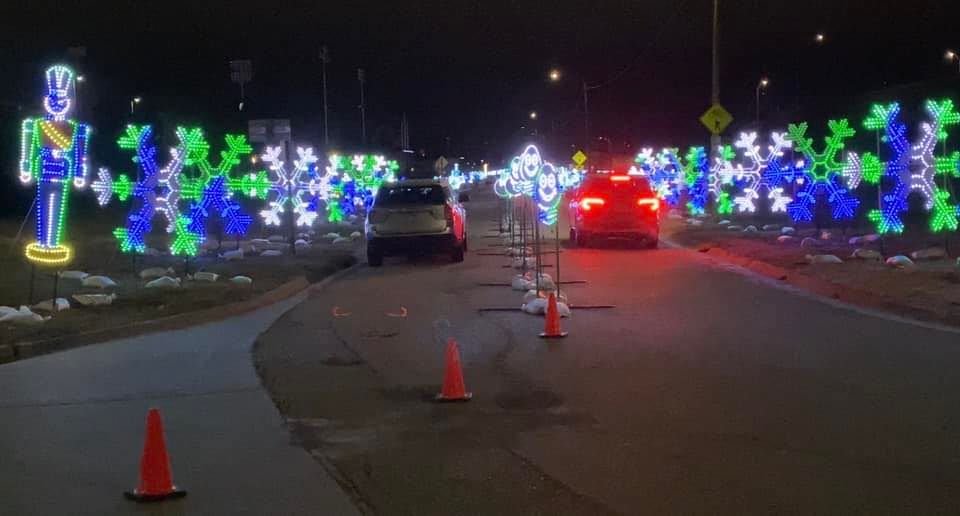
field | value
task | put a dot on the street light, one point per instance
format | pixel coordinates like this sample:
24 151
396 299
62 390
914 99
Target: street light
819 38
80 78
133 102
952 56
554 75
533 115
760 85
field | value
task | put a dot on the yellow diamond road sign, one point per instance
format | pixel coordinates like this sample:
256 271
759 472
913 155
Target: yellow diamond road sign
579 158
716 119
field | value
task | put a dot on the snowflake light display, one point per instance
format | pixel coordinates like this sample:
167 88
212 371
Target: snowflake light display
924 164
359 178
869 168
822 174
569 178
289 187
456 179
754 177
645 163
184 241
695 170
53 153
666 177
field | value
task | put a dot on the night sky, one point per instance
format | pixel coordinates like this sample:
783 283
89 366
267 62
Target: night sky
466 72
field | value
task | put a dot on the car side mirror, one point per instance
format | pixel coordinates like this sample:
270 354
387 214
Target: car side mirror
463 197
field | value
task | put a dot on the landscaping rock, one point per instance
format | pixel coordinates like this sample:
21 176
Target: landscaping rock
98 282
236 254
724 222
900 261
785 239
355 235
674 216
931 253
857 240
750 229
48 306
260 242
209 277
787 230
23 316
276 238
823 258
735 228
301 243
241 280
155 272
539 307
771 227
332 235
73 275
866 254
809 242
342 240
825 235
871 238
94 299
271 252
151 252
164 282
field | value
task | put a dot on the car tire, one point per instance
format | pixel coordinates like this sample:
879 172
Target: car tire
457 254
374 258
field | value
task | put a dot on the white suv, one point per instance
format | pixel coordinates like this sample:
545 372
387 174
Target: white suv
416 214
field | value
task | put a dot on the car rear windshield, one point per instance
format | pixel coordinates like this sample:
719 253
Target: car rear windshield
639 185
400 194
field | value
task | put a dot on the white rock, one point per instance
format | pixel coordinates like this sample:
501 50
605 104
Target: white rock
23 316
784 239
674 216
931 253
539 307
164 282
823 258
958 262
750 229
332 235
260 241
7 310
47 305
311 232
521 284
303 236
787 230
98 282
855 240
900 261
871 238
276 238
301 243
355 235
735 228
341 240
155 272
723 222
770 227
866 254
241 280
809 242
151 252
234 255
94 299
271 252
825 235
695 222
206 276
73 275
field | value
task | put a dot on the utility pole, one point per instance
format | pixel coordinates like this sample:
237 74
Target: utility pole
715 89
404 133
586 119
324 59
241 72
361 77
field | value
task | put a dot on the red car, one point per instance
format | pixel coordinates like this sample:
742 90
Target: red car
614 206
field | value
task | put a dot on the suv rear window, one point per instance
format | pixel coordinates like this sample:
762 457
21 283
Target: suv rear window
399 194
604 183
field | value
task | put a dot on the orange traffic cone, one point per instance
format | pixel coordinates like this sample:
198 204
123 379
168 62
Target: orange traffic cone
453 388
551 329
156 482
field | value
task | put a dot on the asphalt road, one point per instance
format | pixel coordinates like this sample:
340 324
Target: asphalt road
705 391
72 428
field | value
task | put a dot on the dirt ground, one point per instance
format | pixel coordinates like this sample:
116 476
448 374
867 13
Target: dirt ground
930 290
96 253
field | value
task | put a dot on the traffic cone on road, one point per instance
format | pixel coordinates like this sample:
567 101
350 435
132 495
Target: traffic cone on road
156 481
453 387
551 327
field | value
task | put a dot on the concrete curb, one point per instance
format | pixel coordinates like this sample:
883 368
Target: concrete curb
821 287
29 349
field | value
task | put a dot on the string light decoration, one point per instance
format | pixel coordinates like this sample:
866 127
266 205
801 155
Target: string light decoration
778 201
53 153
456 179
724 205
185 242
645 163
944 215
755 178
568 178
695 170
822 174
924 164
360 177
289 187
886 218
666 177
547 194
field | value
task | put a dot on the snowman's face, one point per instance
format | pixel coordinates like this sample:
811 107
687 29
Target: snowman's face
530 163
547 185
515 165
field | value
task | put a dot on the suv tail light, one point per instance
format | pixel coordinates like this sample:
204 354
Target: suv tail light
651 202
619 178
587 203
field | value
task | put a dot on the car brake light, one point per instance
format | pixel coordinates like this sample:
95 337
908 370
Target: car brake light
588 202
651 202
619 178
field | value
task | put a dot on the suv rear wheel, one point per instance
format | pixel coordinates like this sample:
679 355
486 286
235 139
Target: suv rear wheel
374 258
457 254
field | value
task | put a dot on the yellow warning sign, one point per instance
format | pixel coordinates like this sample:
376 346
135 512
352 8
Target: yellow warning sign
716 119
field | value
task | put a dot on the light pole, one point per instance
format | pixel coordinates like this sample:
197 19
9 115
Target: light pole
133 102
76 91
952 56
362 77
760 86
715 72
324 59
